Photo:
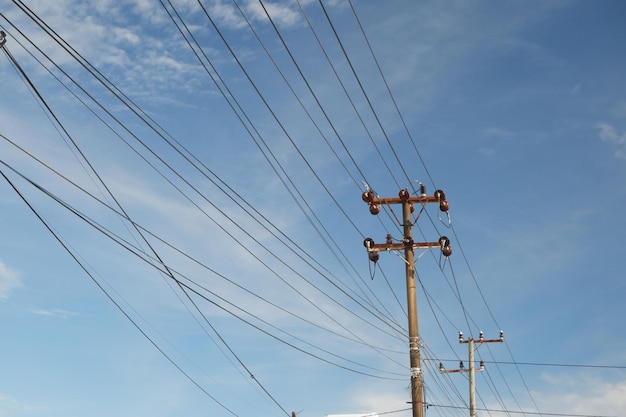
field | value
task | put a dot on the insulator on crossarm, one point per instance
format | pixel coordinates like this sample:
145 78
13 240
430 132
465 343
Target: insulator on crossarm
368 242
374 209
368 196
404 194
446 251
440 367
460 336
501 336
441 198
482 365
422 189
461 365
373 256
481 335
444 241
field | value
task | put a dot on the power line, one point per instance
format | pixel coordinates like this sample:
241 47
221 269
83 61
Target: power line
524 412
563 365
108 295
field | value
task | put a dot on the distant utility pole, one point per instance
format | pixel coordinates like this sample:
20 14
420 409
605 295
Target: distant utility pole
407 244
472 369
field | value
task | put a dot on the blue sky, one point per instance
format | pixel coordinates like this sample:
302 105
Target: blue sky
238 171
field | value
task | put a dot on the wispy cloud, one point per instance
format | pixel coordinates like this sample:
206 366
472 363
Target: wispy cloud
583 395
56 312
610 134
282 14
9 280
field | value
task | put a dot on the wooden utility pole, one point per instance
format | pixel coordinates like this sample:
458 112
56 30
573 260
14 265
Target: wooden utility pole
472 384
407 245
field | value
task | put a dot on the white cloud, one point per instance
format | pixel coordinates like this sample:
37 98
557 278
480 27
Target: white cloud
227 15
580 394
609 134
56 312
281 14
9 280
379 399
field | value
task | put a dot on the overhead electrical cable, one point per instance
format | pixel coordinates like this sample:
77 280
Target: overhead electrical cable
196 289
118 204
241 66
106 293
217 208
327 117
346 93
169 273
366 96
391 96
360 341
336 247
523 412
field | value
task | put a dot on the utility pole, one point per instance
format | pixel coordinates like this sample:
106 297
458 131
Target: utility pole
472 384
408 245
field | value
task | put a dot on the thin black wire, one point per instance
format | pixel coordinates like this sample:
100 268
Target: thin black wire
142 256
367 99
169 273
324 276
286 175
345 91
196 261
106 293
217 223
300 72
563 365
525 412
391 96
118 204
